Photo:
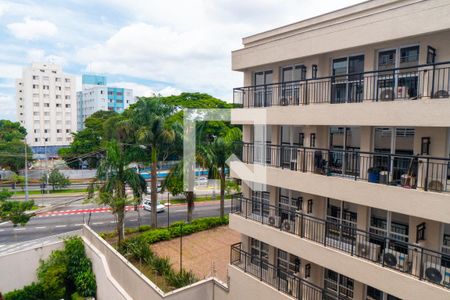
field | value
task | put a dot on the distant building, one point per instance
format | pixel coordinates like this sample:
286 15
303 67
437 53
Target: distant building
46 107
96 96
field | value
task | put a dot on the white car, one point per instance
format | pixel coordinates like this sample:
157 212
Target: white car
147 204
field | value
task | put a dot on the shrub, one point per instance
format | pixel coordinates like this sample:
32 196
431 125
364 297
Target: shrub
180 279
34 291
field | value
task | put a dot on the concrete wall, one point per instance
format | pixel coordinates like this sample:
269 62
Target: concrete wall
393 282
19 269
72 174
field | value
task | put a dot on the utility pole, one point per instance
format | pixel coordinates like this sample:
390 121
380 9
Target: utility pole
181 246
26 172
168 210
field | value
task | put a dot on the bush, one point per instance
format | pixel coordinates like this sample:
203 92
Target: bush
63 273
180 279
161 265
34 291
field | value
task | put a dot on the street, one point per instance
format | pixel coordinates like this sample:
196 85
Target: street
72 217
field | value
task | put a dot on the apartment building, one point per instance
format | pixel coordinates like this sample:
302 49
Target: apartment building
46 107
96 96
345 160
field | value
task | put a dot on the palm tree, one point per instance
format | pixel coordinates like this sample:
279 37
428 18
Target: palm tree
215 155
152 130
114 174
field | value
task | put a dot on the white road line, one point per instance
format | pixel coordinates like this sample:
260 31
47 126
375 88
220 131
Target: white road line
2 230
41 227
112 222
97 223
60 226
79 224
19 229
133 220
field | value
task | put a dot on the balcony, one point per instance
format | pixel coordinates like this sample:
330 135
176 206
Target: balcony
406 171
430 81
386 251
285 282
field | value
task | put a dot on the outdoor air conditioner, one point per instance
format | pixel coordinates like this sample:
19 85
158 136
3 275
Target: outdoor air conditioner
284 101
437 273
386 94
441 94
274 221
287 225
368 250
395 259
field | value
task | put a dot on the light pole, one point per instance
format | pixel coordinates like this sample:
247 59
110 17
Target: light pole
26 172
181 246
168 210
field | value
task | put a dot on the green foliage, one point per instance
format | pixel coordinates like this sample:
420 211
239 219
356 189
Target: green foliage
34 291
61 275
56 179
12 146
14 211
180 279
88 141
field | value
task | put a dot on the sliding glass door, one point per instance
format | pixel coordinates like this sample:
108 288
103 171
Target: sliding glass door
347 83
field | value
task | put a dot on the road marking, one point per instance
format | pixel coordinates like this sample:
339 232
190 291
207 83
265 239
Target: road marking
97 223
19 229
41 227
133 220
79 224
112 222
4 223
2 230
60 226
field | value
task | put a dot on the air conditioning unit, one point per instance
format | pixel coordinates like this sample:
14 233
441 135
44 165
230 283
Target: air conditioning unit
395 259
274 221
368 250
386 94
441 94
284 101
437 273
287 225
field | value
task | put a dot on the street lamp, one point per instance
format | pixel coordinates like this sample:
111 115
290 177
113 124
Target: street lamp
26 171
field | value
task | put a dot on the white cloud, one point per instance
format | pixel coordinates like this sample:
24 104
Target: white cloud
31 29
141 90
10 71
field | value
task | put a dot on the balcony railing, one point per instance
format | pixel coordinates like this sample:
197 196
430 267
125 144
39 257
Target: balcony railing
284 281
409 171
387 251
407 83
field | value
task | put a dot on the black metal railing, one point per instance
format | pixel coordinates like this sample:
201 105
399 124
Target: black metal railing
283 280
407 83
409 171
388 251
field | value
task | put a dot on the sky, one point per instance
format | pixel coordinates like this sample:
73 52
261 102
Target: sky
151 46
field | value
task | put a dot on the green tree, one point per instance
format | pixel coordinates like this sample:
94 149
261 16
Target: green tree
215 155
114 175
56 179
14 211
88 142
153 131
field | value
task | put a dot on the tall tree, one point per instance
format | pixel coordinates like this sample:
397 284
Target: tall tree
215 155
12 146
114 174
152 131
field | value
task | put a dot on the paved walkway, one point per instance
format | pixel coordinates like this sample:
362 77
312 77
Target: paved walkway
206 253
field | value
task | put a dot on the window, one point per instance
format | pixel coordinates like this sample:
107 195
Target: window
57 79
259 252
58 88
35 77
46 139
58 104
36 104
46 87
46 130
341 213
46 113
260 203
36 140
46 104
431 55
263 94
67 80
392 225
344 87
58 130
45 78
338 284
287 264
375 294
67 97
119 93
58 96
312 140
36 131
67 130
36 113
67 105
289 202
60 139
35 86
314 71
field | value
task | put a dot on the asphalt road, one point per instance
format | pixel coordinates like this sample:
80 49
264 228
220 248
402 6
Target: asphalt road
68 218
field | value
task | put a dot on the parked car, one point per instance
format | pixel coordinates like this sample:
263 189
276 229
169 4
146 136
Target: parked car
147 204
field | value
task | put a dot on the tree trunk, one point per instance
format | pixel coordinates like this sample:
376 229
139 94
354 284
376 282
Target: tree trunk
154 192
222 192
190 205
120 225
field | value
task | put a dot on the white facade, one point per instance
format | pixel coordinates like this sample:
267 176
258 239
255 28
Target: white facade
46 105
